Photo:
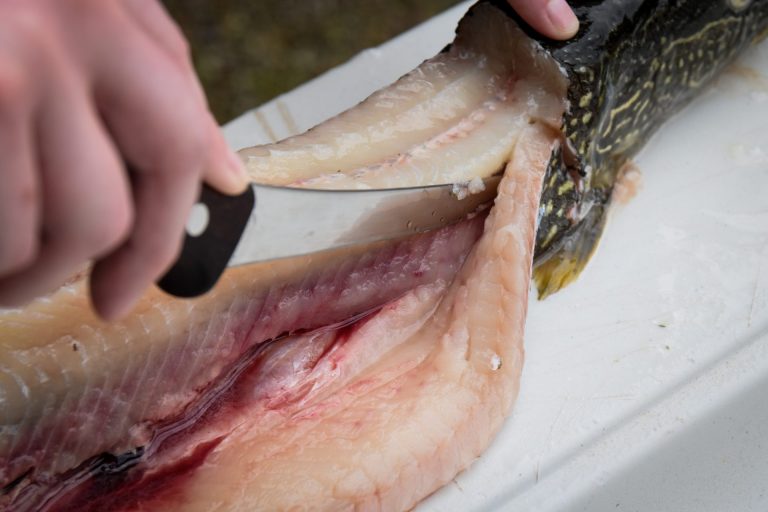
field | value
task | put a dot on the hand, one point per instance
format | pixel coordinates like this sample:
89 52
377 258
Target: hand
551 18
83 82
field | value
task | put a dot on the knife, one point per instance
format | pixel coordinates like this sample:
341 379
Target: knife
268 222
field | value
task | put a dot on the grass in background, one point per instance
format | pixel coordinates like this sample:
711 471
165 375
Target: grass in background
248 52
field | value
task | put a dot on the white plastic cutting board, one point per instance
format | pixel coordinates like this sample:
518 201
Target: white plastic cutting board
645 386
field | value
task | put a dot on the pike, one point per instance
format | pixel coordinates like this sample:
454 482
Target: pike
364 377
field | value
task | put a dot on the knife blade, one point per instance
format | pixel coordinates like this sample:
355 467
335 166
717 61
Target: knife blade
268 222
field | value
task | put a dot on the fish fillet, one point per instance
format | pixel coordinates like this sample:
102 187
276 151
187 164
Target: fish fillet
363 378
433 398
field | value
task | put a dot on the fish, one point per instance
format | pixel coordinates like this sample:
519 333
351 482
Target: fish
367 377
633 66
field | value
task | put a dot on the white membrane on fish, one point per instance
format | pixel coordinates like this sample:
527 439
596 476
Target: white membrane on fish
421 105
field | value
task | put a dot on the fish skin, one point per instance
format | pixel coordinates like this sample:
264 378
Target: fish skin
64 374
632 65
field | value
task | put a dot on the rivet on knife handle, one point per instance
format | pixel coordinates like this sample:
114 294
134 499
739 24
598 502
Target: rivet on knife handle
205 255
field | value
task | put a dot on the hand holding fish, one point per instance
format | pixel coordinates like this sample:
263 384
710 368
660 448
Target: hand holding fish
552 18
83 85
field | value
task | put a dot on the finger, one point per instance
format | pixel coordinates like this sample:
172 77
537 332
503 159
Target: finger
551 18
155 22
163 130
162 200
158 122
86 203
19 193
160 27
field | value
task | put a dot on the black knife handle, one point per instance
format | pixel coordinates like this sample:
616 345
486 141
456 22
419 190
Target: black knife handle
205 256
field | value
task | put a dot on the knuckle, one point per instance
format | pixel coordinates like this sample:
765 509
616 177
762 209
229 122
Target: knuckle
20 254
109 226
27 196
91 9
122 222
90 4
22 248
36 30
32 22
13 85
185 155
160 253
179 46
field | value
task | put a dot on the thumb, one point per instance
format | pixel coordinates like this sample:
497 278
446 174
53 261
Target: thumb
551 18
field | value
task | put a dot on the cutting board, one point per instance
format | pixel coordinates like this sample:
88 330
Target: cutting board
646 382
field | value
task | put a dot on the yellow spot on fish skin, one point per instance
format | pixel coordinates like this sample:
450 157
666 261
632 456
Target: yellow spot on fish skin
560 212
604 149
552 180
701 35
618 110
550 236
623 123
630 139
574 122
739 5
565 187
548 209
643 105
584 70
587 118
584 101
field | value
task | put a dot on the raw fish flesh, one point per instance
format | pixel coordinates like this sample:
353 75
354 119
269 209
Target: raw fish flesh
364 378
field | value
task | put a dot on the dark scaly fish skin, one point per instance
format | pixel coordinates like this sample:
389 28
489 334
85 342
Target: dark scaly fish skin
633 64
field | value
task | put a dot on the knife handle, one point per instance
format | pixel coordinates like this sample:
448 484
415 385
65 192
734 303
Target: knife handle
205 254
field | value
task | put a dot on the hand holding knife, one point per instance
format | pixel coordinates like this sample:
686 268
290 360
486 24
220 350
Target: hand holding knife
268 222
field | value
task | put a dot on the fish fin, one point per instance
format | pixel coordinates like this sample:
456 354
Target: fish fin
562 264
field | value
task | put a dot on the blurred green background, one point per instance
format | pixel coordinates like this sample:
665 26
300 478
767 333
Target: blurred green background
248 52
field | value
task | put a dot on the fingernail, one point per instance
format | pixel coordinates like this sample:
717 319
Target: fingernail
562 18
237 169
